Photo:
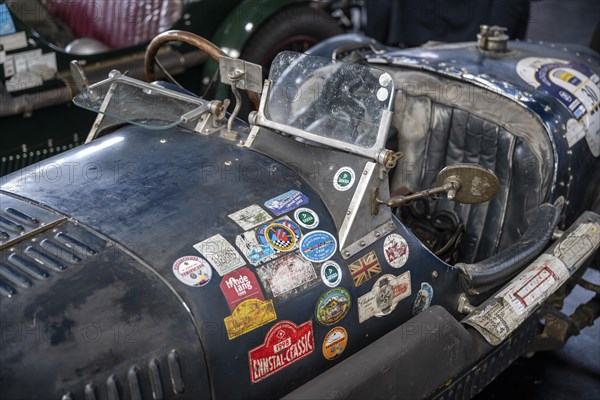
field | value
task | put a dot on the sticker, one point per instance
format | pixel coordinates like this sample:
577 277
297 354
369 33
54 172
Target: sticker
335 343
7 25
331 273
423 299
307 218
279 236
255 252
286 202
14 42
395 250
262 238
576 87
498 317
318 246
249 315
192 270
250 217
333 306
344 179
287 276
384 297
240 285
284 344
578 243
364 268
221 254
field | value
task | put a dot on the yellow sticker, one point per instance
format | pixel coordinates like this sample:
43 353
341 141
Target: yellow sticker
249 315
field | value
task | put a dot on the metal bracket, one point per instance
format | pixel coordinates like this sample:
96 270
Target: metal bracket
241 74
368 239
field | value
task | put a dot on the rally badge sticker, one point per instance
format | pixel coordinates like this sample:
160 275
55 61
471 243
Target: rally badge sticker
395 250
249 315
193 271
285 344
255 252
335 343
333 306
423 299
318 246
220 253
281 237
286 202
331 273
250 217
344 179
287 276
240 285
384 297
364 268
306 218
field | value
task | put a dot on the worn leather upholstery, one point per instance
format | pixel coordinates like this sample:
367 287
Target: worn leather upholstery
437 130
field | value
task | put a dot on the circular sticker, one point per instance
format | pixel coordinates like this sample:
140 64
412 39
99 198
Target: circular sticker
395 250
344 179
280 236
318 246
307 218
192 270
333 306
331 273
335 343
423 298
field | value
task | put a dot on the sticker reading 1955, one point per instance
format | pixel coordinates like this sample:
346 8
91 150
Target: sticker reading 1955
286 202
193 271
285 344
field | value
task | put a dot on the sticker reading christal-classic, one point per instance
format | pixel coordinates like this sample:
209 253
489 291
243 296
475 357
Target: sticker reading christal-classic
192 270
395 250
285 344
240 285
249 315
364 268
306 218
287 276
286 202
387 292
331 273
332 306
222 255
318 246
335 343
344 179
250 217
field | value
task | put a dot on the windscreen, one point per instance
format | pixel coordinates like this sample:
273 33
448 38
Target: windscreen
331 99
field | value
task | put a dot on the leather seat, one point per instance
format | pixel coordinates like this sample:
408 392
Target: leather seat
437 128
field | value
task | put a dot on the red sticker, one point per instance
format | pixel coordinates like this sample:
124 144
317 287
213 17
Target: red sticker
284 344
240 285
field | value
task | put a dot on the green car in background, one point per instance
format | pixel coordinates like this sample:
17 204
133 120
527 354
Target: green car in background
39 40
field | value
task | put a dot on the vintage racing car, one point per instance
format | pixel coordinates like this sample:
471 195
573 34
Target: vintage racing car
389 224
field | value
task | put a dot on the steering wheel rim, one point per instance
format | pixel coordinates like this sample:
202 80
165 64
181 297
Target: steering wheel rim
189 38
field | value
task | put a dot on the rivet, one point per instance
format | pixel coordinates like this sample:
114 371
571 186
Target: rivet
434 274
362 243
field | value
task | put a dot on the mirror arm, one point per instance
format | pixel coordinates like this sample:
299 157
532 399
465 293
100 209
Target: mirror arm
450 188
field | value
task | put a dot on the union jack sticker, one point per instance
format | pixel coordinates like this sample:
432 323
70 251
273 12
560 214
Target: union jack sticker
364 268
